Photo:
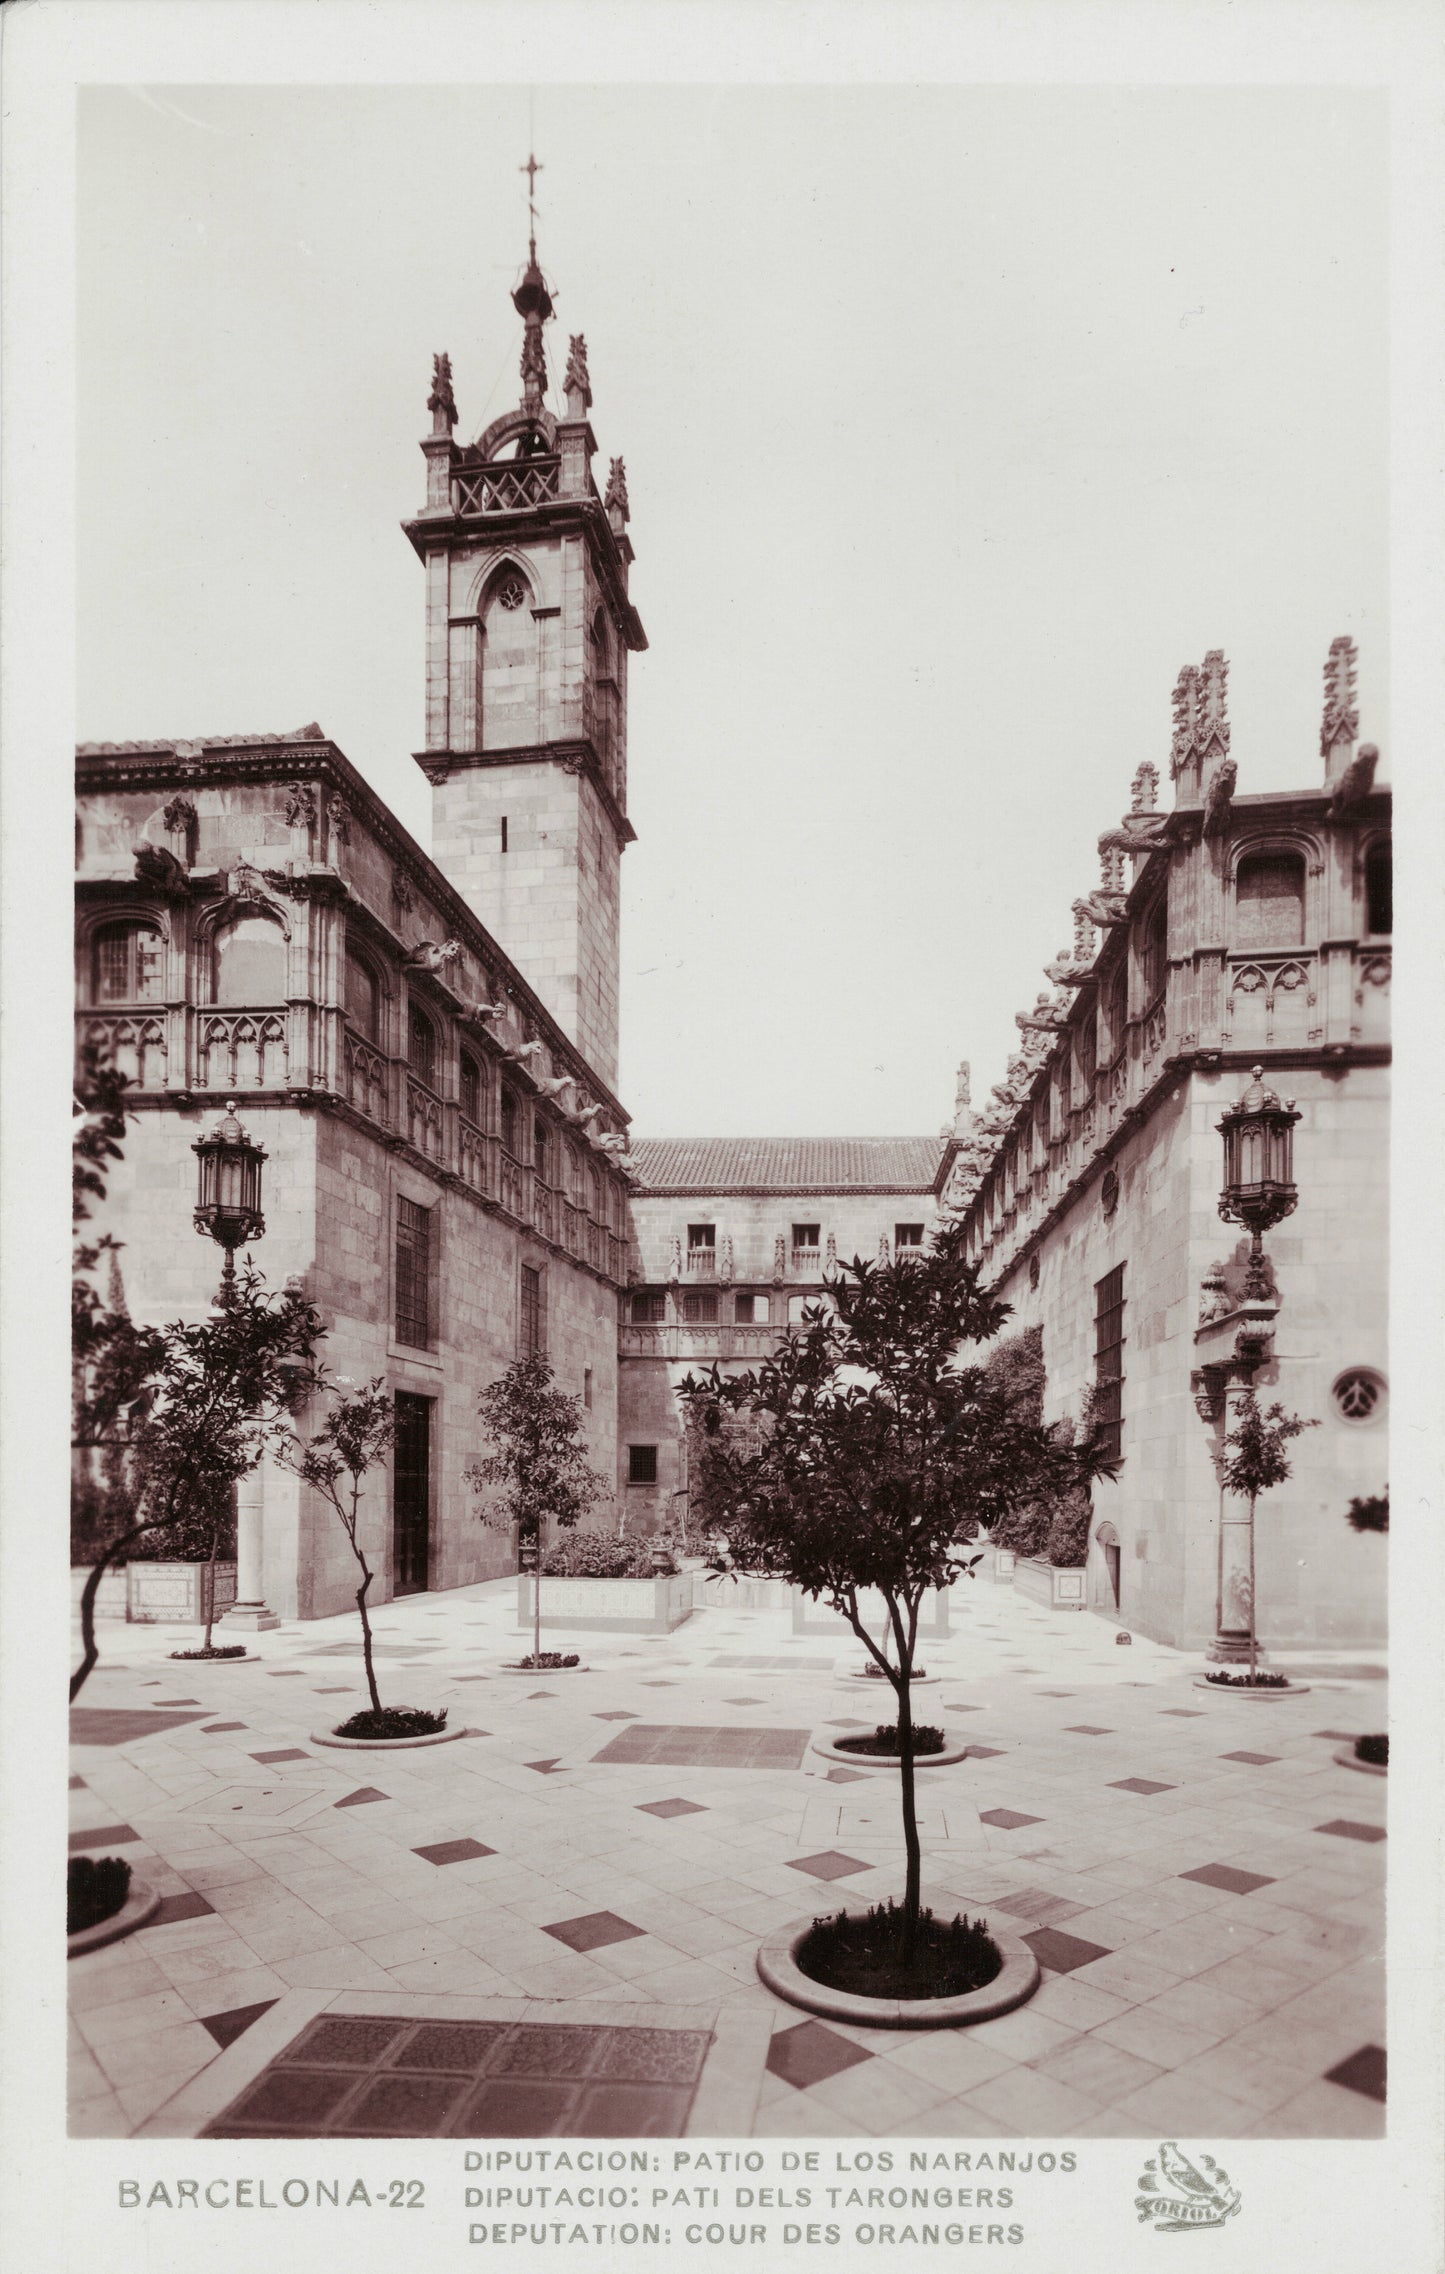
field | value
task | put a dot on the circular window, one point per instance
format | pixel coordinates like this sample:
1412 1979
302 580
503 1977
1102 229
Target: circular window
511 591
1359 1395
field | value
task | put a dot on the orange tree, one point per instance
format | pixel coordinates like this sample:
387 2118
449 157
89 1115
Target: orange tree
535 1465
880 1444
1254 1460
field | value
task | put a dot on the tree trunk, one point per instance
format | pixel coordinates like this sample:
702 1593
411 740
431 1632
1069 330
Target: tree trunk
1253 1643
211 1586
88 1651
361 1592
902 1680
537 1609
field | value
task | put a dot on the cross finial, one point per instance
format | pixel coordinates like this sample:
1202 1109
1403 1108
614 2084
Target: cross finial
532 169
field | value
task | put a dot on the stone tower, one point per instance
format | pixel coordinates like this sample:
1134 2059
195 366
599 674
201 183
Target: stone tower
528 630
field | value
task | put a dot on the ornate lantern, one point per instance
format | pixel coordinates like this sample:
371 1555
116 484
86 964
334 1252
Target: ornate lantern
228 1204
1259 1187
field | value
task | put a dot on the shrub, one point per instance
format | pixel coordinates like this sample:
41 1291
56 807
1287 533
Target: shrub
592 1555
1376 1750
95 1888
869 1956
926 1739
393 1721
1254 1681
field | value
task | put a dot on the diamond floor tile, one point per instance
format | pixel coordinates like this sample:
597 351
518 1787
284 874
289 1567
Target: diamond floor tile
1060 1952
692 1747
671 1808
1224 1875
227 2027
1344 1828
830 1865
103 1836
1007 1819
1362 2072
452 1851
809 2052
1140 1784
594 1931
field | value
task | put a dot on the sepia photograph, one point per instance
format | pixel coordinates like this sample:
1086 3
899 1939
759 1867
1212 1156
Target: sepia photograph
733 911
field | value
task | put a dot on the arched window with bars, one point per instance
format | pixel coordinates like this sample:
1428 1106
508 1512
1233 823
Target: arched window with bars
125 964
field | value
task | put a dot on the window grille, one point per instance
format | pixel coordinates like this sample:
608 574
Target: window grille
1109 1359
649 1308
700 1309
531 1321
413 1275
421 1046
642 1464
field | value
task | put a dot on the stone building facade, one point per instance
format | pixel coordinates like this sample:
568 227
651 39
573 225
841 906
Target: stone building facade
427 1049
734 1238
1236 929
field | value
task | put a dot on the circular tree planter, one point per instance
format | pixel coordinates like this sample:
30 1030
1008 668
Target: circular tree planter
541 1673
1346 1759
194 1658
385 1744
1258 1694
1016 1980
881 1683
141 1904
955 1748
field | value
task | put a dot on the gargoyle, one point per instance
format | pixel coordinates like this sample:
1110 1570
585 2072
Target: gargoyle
524 1051
1047 1015
1355 782
587 1114
1101 908
430 955
157 866
1136 833
1218 796
480 1010
554 1088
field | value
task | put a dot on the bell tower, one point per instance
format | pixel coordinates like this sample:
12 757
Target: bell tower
528 631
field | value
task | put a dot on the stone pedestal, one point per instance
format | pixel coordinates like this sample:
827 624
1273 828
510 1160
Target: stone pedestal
249 1613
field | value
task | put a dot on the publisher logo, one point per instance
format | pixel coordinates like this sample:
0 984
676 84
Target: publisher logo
1175 2193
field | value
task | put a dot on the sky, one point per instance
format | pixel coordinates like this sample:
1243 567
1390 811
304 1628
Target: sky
956 420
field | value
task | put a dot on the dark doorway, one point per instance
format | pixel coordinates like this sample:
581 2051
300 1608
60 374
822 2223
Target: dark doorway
411 1496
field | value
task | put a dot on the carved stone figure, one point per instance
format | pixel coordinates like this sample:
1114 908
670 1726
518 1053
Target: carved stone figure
525 1051
553 1087
617 489
960 1093
338 813
1355 782
432 955
1047 1016
441 402
401 891
300 806
157 867
180 817
1218 797
577 382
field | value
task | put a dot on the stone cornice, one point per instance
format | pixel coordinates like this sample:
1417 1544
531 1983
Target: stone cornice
782 1192
575 755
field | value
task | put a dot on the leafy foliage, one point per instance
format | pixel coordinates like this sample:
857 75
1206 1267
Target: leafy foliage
878 1448
593 1555
535 1469
1254 1451
1370 1515
875 1955
335 1462
95 1889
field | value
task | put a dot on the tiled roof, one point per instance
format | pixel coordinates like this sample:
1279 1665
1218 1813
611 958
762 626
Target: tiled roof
185 747
785 1164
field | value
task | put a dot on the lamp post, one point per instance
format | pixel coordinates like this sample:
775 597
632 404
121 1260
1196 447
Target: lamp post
228 1209
228 1203
1259 1187
1259 1192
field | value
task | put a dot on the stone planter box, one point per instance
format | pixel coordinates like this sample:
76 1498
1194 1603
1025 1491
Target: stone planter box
110 1596
609 1606
175 1594
741 1594
1004 1560
810 1617
1017 1979
1058 1585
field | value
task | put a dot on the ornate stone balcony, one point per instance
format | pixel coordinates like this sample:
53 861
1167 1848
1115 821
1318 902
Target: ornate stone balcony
512 487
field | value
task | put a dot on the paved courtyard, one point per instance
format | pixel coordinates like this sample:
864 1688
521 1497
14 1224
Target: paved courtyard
549 1927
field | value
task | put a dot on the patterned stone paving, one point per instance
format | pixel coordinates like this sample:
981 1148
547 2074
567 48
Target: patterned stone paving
1210 1935
382 2079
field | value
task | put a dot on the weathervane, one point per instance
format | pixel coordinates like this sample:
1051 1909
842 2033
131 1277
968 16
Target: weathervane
532 169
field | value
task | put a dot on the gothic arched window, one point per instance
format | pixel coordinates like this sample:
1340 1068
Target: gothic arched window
1379 888
509 661
125 964
1154 949
249 962
1269 893
470 1098
421 1045
509 1122
362 996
